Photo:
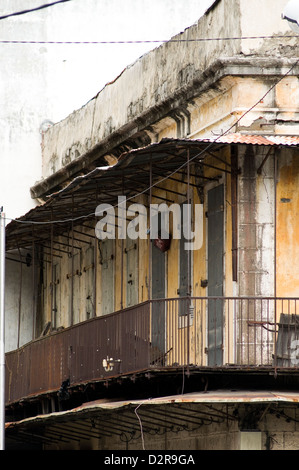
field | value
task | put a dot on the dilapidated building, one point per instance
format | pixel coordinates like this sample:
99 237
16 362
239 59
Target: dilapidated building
119 339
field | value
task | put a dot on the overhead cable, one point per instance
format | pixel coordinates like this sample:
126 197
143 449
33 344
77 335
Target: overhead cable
41 7
149 41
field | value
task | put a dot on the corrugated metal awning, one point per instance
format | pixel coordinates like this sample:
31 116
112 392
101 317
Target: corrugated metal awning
185 412
213 397
272 140
131 172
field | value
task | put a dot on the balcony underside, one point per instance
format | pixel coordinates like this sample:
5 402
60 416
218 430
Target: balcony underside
193 335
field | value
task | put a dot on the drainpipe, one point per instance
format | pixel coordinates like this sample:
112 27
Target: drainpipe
2 334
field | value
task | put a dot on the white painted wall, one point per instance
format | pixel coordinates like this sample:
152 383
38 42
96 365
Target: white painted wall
40 82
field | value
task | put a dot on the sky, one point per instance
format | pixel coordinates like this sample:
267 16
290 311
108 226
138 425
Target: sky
76 73
119 20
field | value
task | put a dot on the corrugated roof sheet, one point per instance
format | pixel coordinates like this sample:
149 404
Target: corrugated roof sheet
212 397
258 139
218 396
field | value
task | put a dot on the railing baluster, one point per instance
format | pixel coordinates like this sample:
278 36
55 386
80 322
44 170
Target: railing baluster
295 332
255 334
234 322
247 330
227 311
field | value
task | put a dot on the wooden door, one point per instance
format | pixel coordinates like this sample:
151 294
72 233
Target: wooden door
106 259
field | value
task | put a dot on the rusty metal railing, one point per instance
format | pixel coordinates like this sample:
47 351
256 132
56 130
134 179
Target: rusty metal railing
192 331
230 331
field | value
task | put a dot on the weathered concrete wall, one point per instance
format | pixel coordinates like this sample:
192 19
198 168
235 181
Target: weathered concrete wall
149 90
277 113
256 223
256 249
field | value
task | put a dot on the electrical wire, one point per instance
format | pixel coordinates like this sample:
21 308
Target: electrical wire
32 222
149 41
140 423
41 7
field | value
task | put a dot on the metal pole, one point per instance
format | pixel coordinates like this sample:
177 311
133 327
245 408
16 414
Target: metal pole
2 333
149 241
275 258
189 277
72 279
95 262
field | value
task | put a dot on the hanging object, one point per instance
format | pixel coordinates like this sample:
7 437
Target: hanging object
163 244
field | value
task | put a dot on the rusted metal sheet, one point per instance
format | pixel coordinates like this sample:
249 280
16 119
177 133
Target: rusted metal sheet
259 139
77 354
207 397
122 343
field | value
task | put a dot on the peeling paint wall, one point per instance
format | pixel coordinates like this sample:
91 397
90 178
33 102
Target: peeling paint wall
213 113
287 224
256 247
256 224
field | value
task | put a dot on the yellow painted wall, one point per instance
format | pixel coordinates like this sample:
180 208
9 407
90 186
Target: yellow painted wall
288 226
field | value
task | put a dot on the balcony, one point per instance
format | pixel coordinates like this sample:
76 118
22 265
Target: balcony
194 333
